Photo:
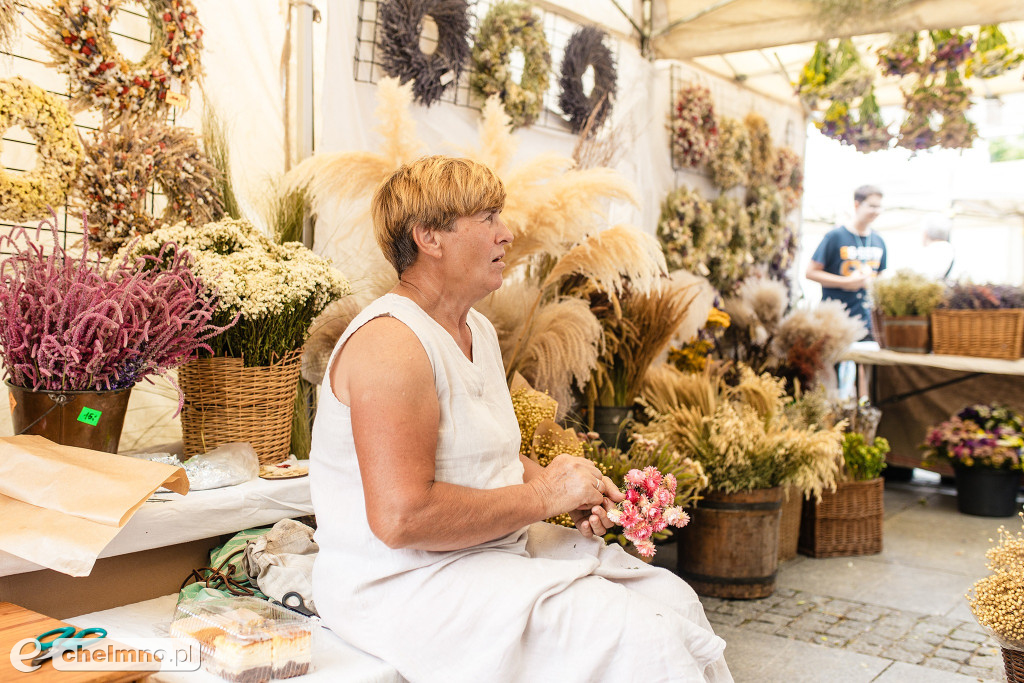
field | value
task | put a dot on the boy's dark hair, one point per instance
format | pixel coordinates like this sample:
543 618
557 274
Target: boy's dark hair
865 191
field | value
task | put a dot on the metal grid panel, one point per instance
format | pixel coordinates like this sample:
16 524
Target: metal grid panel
557 28
27 58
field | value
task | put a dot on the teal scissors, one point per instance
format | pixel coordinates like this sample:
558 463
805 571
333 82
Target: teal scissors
65 633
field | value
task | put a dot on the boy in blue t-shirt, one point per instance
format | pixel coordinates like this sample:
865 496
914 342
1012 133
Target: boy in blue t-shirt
849 258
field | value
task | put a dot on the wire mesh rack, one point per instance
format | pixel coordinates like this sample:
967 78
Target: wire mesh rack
26 57
558 29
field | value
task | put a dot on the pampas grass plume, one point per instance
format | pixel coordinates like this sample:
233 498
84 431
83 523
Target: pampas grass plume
610 257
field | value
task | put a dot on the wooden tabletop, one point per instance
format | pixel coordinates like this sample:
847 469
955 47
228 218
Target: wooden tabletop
17 623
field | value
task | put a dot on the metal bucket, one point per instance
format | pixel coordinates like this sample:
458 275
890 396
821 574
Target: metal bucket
86 419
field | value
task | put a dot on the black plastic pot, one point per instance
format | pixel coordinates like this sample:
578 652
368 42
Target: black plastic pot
987 492
610 424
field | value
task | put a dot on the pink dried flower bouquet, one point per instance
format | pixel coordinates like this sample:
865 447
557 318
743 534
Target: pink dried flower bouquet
72 323
649 508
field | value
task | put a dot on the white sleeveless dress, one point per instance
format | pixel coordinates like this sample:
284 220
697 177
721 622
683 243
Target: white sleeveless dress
540 604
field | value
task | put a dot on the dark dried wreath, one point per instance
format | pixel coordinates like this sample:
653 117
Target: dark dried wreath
121 166
401 22
586 48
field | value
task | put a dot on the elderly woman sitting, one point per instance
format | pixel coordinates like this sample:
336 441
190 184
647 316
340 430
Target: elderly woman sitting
433 555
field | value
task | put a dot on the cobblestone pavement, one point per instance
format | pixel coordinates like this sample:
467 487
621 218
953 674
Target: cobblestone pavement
922 639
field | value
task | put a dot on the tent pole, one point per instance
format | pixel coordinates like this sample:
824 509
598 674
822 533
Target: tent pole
304 95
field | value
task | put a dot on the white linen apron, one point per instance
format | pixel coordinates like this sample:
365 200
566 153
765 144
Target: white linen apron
540 604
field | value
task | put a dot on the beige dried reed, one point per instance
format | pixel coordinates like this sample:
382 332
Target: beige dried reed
610 259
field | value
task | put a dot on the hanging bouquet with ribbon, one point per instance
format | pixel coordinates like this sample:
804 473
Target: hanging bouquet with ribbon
994 56
950 49
902 56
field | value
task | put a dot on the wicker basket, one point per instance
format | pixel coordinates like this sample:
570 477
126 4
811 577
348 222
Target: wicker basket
845 523
227 402
789 525
988 333
1013 662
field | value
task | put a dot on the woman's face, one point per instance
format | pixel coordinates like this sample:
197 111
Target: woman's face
476 249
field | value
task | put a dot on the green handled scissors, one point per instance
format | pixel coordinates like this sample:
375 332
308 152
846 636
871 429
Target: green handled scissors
65 633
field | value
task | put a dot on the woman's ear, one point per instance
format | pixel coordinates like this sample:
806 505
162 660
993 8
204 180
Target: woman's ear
426 240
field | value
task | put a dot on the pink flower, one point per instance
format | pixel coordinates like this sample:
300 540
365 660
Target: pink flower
630 515
632 495
652 480
635 478
666 497
640 531
670 483
676 517
645 548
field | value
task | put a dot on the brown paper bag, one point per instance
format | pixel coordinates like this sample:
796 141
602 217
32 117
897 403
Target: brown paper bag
62 505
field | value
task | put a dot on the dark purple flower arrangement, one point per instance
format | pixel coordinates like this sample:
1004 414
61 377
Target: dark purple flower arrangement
75 323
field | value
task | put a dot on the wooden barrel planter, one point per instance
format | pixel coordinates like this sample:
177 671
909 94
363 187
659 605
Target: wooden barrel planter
730 548
906 333
789 524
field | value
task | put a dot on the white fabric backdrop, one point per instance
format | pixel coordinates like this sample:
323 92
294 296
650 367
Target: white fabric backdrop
643 100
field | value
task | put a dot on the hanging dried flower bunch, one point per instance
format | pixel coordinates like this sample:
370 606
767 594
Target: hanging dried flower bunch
762 150
902 56
993 56
950 49
694 126
788 176
767 212
849 77
815 76
730 163
870 133
944 100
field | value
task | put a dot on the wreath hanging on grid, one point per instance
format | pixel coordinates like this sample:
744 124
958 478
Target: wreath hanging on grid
586 48
122 166
401 22
31 195
510 25
694 126
77 34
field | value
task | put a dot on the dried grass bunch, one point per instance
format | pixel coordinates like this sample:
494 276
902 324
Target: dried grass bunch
73 323
762 150
8 23
800 345
906 293
997 600
735 426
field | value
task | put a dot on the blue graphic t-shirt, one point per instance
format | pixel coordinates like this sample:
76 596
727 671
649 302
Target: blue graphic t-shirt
843 252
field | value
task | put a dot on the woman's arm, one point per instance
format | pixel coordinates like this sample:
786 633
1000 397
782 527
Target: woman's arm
384 376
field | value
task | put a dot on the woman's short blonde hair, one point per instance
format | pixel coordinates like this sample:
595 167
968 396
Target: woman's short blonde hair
432 191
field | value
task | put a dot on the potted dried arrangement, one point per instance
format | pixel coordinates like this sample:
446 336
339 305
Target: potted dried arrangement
903 306
543 439
995 601
76 334
848 521
245 389
983 443
980 320
732 421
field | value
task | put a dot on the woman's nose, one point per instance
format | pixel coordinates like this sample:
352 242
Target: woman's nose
505 235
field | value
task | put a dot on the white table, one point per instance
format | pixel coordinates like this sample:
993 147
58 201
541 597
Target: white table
198 515
333 658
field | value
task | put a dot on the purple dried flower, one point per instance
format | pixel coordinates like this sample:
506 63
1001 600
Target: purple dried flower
77 324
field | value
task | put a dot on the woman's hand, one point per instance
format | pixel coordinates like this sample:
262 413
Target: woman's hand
569 483
594 521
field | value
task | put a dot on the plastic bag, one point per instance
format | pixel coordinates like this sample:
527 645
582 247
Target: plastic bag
280 563
227 465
